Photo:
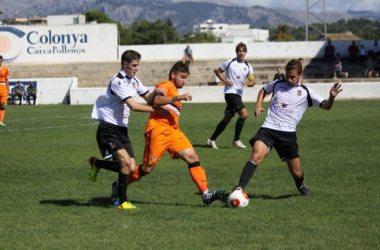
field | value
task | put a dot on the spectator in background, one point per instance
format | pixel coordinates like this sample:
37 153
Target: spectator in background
329 52
188 56
338 67
279 75
31 91
375 48
362 53
370 63
303 70
353 51
17 91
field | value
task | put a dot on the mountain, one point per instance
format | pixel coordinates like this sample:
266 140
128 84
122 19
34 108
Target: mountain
184 14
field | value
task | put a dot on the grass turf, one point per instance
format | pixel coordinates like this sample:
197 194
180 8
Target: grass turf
47 201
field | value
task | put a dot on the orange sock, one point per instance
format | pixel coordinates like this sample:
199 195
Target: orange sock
135 176
2 114
198 175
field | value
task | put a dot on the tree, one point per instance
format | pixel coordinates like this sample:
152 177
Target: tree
281 33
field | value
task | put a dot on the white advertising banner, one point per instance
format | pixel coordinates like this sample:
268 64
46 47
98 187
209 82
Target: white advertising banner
67 43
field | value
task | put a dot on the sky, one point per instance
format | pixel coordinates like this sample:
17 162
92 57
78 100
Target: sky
331 5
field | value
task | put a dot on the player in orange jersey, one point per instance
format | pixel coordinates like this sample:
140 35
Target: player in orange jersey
4 86
162 134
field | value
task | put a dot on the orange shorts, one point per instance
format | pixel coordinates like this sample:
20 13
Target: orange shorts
3 95
162 139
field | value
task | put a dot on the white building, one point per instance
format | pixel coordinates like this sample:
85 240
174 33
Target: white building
232 33
66 20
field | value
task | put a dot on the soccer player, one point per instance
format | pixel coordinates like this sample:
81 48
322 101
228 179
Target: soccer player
237 71
112 110
290 101
162 133
4 87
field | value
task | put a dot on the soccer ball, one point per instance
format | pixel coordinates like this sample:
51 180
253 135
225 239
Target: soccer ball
238 198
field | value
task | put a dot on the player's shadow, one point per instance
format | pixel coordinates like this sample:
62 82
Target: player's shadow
95 202
206 146
270 197
106 203
262 196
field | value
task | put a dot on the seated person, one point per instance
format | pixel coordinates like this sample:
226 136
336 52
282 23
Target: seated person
188 56
31 91
17 91
338 67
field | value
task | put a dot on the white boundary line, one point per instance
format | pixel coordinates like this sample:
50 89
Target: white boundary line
49 127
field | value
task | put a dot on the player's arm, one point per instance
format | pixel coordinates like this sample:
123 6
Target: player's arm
219 73
251 80
135 106
163 100
149 97
335 90
259 102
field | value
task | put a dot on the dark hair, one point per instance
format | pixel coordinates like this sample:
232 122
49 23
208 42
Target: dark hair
130 55
294 64
241 45
179 67
1 57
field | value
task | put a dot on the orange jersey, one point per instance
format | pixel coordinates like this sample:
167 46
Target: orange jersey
4 75
156 119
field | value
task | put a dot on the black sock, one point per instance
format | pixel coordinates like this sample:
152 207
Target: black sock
247 173
219 129
238 128
141 171
299 181
108 165
122 183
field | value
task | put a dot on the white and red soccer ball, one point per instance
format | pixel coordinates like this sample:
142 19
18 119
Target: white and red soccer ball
238 198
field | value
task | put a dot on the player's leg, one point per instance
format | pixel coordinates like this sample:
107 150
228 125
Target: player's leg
181 148
294 167
2 110
156 143
243 114
228 114
259 151
287 149
125 170
261 144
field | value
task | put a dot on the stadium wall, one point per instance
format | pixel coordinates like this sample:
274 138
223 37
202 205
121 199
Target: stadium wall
56 44
223 51
66 91
214 94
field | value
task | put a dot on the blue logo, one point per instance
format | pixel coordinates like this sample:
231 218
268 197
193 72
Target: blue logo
10 47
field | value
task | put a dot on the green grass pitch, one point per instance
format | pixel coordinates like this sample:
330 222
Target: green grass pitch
48 202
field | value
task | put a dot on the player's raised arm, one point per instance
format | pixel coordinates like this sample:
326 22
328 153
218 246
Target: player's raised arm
335 90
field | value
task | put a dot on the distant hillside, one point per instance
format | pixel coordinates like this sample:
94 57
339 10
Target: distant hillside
183 14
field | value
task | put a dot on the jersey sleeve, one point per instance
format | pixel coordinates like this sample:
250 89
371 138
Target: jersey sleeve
251 74
224 65
123 91
141 88
268 88
164 85
315 98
